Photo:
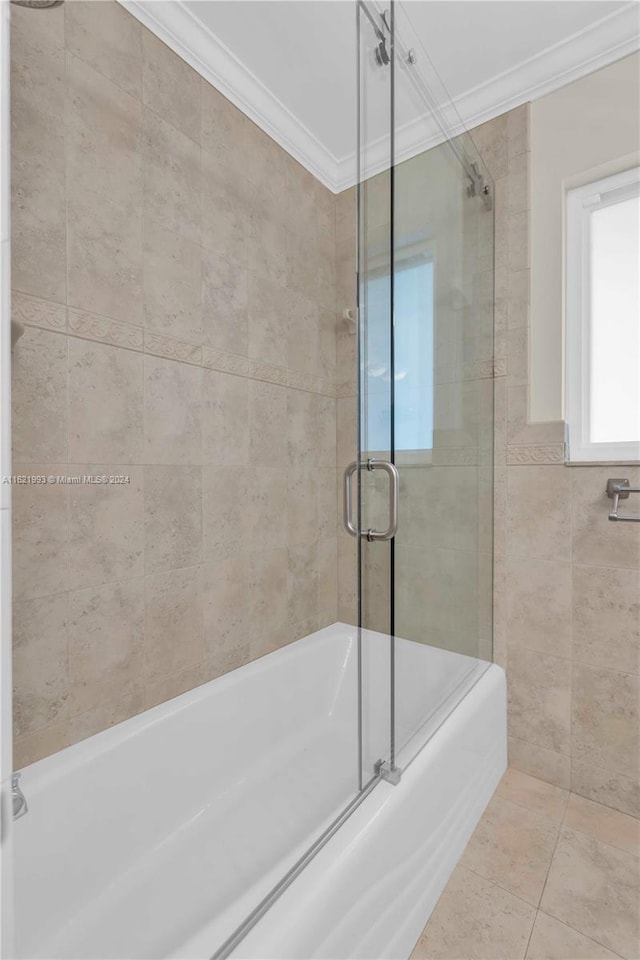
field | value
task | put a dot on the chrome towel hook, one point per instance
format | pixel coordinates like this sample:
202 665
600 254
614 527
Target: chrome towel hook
619 490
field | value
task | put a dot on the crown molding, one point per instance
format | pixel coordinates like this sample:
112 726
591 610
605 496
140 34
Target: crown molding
608 39
187 36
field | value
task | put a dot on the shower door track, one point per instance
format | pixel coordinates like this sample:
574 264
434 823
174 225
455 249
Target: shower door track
276 892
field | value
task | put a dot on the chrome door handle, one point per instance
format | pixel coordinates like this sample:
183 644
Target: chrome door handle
394 480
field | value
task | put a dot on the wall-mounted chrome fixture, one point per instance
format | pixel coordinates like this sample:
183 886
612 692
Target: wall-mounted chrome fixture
350 317
20 806
619 490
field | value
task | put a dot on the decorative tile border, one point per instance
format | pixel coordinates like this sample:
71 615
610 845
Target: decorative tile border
89 326
34 312
172 349
267 371
225 362
45 314
535 454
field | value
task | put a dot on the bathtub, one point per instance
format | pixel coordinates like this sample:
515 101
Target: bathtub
159 836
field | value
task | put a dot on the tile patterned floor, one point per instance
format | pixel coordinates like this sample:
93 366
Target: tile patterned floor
547 875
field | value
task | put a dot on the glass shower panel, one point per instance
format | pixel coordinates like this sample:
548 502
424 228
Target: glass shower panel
425 257
443 344
375 290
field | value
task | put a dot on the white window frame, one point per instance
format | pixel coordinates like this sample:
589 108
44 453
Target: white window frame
581 202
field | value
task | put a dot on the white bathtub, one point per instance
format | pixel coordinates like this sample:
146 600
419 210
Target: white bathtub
159 836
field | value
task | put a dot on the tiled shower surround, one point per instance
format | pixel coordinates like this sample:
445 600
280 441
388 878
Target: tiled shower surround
180 278
174 270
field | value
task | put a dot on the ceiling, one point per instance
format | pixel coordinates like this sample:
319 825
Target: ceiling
291 64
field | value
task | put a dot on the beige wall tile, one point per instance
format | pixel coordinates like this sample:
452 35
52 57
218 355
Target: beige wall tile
267 249
539 606
106 715
540 762
171 169
39 397
107 38
173 622
105 403
266 163
266 306
267 415
172 283
157 248
595 540
302 428
38 177
103 130
595 888
225 419
40 533
606 618
224 127
167 688
539 512
327 582
475 919
225 321
553 940
268 589
106 653
605 727
172 412
302 332
37 59
104 255
226 494
172 517
170 87
225 207
38 229
540 699
302 504
617 790
106 531
302 583
228 624
40 664
265 506
512 846
40 744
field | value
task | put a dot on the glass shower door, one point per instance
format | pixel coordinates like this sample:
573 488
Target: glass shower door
426 287
374 514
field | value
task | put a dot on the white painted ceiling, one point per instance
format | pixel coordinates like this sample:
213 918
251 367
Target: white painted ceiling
291 64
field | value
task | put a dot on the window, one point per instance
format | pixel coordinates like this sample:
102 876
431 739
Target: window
603 319
413 359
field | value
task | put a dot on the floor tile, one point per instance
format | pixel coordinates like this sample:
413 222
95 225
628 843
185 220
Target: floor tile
553 940
603 823
534 794
477 920
513 847
595 888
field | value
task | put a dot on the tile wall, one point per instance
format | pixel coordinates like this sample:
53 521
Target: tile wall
174 271
567 581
